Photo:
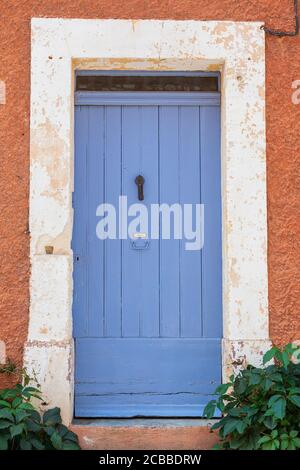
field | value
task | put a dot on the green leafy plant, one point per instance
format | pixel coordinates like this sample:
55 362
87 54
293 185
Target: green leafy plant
261 406
23 428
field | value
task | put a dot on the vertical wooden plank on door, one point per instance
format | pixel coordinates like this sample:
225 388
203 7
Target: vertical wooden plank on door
211 198
190 261
149 319
113 251
95 247
80 317
131 265
169 194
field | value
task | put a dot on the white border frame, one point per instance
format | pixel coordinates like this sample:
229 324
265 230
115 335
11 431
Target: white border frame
59 46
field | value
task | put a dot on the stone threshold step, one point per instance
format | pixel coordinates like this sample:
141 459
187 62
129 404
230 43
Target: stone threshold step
144 434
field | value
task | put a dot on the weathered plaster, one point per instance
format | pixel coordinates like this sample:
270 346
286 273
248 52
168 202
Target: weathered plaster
51 363
2 352
236 355
51 295
58 47
2 92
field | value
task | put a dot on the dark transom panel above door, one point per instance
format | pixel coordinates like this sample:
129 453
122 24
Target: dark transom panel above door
147 323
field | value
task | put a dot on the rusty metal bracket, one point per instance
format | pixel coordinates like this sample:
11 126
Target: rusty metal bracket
275 32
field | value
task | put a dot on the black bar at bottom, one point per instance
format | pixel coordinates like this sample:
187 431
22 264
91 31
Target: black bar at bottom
144 459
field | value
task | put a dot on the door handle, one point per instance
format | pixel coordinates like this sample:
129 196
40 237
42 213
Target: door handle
139 181
140 244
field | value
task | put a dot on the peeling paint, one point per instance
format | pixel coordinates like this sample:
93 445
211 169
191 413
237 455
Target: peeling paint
239 354
2 352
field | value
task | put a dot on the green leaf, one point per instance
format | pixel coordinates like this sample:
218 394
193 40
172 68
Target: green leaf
235 412
221 389
240 386
32 395
4 403
71 436
52 417
285 359
294 434
49 430
3 443
251 411
277 403
35 415
241 426
276 443
7 414
269 422
16 429
56 440
295 399
267 384
278 355
269 355
264 439
26 406
296 442
284 444
32 390
254 379
279 407
25 445
269 446
21 415
235 443
63 430
230 426
221 404
37 444
68 445
290 348
4 424
10 393
16 402
217 425
210 409
273 399
33 426
217 447
276 377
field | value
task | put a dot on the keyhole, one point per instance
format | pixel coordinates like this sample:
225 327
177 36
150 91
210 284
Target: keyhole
139 181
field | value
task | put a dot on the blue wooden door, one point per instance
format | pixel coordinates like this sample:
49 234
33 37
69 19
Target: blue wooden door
147 322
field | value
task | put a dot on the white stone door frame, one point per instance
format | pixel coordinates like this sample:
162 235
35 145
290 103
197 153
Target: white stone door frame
58 48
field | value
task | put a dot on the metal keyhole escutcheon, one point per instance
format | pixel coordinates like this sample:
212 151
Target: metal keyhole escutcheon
139 181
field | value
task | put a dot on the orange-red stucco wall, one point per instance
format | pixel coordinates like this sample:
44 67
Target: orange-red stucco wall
283 146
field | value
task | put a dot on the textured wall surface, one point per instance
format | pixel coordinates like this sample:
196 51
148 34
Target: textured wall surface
283 146
145 434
